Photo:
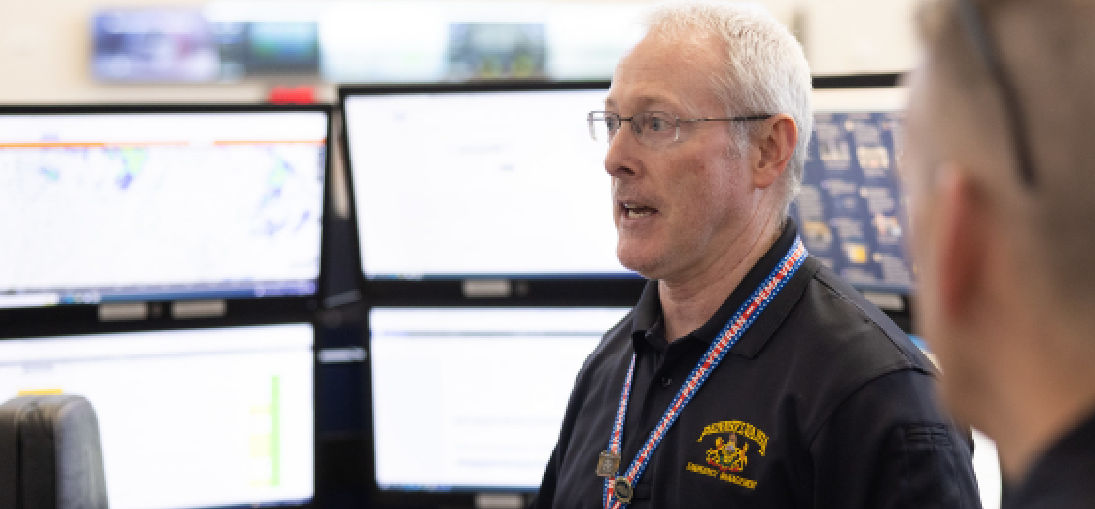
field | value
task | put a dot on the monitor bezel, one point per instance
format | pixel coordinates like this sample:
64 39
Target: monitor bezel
78 330
86 312
457 496
530 288
859 80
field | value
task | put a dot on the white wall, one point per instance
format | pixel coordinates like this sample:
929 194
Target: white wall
852 36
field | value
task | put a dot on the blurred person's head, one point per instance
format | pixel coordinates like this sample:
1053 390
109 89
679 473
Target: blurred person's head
1004 236
685 200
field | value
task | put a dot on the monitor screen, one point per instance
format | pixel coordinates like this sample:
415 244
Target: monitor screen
496 50
193 418
181 45
140 203
153 45
455 182
258 48
850 210
471 399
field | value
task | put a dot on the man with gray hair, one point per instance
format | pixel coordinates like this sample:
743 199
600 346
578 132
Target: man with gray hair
748 374
1000 171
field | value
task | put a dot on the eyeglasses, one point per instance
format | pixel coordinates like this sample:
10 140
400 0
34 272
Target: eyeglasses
972 20
652 128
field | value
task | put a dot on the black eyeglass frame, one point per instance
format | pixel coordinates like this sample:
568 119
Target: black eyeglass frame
973 21
637 128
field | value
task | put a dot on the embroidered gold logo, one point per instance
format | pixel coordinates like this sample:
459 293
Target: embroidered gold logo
729 455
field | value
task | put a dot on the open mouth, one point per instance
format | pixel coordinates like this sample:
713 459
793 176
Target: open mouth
635 211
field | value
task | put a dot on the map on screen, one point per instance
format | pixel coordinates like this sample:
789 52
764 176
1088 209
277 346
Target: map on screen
114 206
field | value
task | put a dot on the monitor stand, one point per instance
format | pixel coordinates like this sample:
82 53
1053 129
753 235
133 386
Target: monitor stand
499 501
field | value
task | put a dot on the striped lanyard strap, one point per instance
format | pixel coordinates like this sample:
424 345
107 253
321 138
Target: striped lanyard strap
619 489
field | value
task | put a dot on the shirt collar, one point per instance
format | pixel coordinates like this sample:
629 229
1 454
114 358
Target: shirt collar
647 318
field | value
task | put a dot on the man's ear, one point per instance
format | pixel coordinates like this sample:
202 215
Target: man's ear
776 142
961 235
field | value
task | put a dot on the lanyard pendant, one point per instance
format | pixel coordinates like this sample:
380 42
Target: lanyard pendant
622 490
608 463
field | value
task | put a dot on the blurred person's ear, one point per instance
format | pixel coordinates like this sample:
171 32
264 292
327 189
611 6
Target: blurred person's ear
960 242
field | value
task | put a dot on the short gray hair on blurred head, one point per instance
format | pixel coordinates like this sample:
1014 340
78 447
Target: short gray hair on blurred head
764 68
1045 49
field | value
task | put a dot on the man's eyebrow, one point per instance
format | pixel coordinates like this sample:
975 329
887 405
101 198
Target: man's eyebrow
644 101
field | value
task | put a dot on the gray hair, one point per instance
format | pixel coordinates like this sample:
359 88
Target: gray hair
765 69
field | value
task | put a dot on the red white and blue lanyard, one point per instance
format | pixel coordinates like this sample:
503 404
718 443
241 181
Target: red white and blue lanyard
740 322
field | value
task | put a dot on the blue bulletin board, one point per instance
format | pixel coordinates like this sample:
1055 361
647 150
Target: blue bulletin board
850 210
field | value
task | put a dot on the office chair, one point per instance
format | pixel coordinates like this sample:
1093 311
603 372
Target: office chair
50 456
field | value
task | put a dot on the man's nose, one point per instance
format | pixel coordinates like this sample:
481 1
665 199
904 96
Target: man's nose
621 158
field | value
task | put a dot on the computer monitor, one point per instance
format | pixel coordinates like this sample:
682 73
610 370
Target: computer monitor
189 418
466 181
256 48
150 45
850 210
470 399
122 203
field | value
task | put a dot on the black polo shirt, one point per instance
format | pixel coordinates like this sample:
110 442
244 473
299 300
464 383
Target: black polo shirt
1063 477
822 403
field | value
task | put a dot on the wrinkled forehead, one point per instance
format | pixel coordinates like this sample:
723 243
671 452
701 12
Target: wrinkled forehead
669 73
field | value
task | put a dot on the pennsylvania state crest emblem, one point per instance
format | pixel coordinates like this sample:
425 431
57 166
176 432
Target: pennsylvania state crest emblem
728 456
733 443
